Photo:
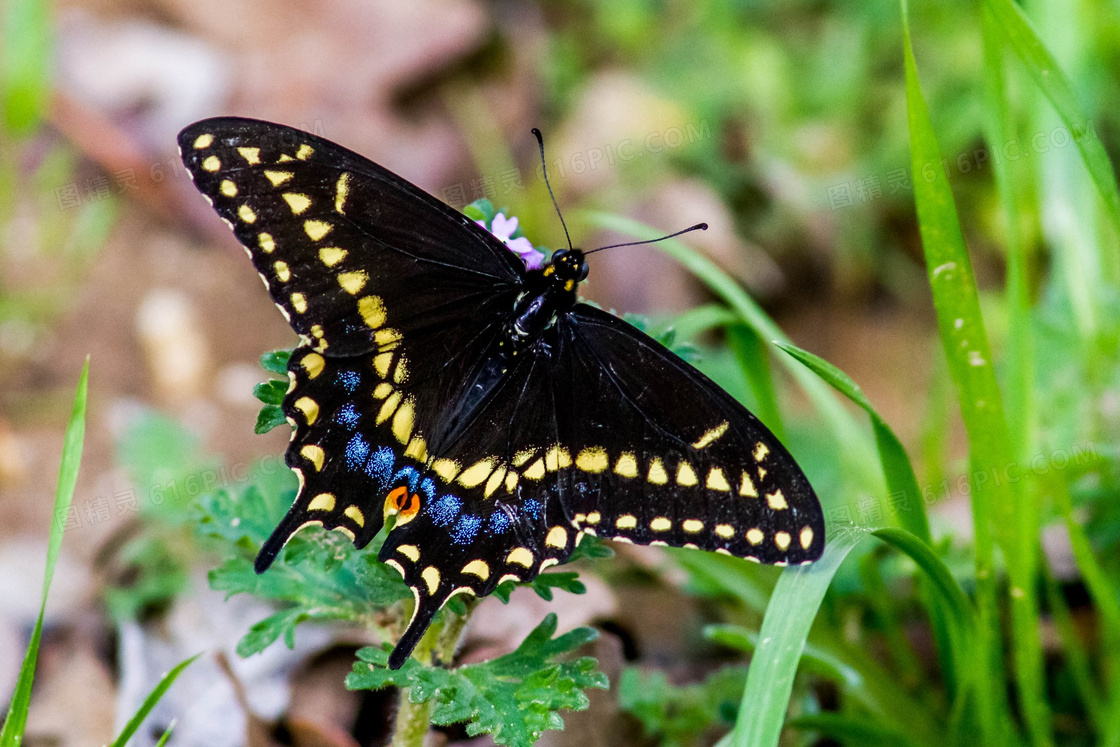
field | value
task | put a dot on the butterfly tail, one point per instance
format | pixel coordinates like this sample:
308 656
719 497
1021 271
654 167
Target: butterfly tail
426 609
276 541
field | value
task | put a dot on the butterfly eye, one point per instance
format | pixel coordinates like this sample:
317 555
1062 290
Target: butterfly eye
558 256
583 270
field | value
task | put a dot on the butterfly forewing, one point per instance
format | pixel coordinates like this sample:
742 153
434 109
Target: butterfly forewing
342 244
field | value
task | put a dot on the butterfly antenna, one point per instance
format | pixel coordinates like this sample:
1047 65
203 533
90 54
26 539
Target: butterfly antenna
697 227
544 170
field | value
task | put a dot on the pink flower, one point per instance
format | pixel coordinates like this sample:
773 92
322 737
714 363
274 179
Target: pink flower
502 228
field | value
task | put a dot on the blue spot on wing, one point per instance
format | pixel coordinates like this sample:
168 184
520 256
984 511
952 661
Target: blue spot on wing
444 509
466 528
429 487
380 466
357 450
534 508
499 522
349 380
347 416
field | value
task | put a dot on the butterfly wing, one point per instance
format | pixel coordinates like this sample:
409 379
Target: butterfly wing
396 296
661 454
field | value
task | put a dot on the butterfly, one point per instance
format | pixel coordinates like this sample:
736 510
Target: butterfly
481 406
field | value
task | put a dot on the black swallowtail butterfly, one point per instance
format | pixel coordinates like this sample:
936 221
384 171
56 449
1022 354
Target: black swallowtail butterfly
496 417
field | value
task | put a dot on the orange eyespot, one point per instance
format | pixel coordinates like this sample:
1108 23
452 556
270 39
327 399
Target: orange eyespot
396 499
411 507
401 503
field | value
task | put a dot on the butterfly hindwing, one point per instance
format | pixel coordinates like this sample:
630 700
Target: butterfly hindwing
661 454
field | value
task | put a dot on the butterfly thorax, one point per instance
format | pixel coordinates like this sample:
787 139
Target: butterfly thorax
548 292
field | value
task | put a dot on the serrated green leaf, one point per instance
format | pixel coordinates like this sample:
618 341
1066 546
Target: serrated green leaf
276 361
565 581
271 392
268 418
514 698
680 715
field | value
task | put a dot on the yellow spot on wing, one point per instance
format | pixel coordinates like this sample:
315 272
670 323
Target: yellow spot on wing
627 465
331 255
297 202
594 517
781 539
478 568
446 468
511 481
626 521
388 407
725 530
316 229
557 537
473 475
212 163
314 454
305 151
412 552
755 535
395 565
692 526
313 363
400 371
535 471
417 449
710 436
228 188
431 573
806 537
777 500
353 282
403 421
593 459
284 158
266 242
299 302
716 480
657 473
386 336
322 502
282 271
520 556
246 214
203 141
372 309
278 177
760 451
381 363
355 515
251 155
685 475
661 524
746 487
309 408
557 458
523 456
341 191
492 484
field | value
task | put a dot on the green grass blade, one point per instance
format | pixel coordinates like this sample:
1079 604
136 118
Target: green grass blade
750 351
166 734
25 61
902 484
16 721
999 514
1018 34
793 605
956 601
150 702
846 432
1077 656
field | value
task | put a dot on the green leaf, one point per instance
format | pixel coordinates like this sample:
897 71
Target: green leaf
679 715
514 698
16 720
902 484
150 703
25 63
851 730
268 418
1018 34
482 210
271 392
276 362
791 611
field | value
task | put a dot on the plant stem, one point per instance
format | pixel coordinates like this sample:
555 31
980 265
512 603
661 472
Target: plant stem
436 648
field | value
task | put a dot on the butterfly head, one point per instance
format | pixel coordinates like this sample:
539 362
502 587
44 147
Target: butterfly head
567 268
